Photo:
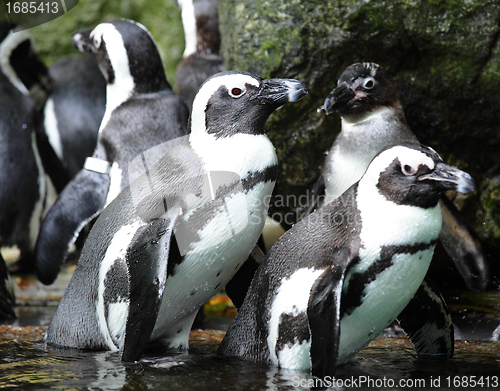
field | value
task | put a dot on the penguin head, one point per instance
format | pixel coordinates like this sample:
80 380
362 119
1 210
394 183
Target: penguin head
362 88
126 54
415 175
232 102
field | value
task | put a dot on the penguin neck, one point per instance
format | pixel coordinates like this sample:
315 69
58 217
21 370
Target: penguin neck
116 94
395 111
201 31
189 26
358 143
240 153
403 225
121 85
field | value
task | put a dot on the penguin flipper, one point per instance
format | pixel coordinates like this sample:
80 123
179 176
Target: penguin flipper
462 245
427 322
323 313
317 194
81 200
147 263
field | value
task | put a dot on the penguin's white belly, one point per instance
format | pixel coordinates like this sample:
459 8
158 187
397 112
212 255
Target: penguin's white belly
384 299
224 245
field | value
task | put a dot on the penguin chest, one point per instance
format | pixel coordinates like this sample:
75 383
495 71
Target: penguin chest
373 298
397 244
212 248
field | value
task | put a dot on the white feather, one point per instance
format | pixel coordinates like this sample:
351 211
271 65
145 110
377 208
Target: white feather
291 297
123 85
115 183
189 26
51 129
115 251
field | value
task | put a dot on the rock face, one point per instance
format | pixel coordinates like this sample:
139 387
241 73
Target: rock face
443 55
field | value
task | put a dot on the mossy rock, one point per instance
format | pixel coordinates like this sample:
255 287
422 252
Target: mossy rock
443 55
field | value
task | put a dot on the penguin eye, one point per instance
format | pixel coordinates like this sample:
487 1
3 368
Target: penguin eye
369 83
236 92
97 42
408 170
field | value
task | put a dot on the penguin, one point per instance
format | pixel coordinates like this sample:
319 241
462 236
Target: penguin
372 119
338 277
201 58
142 114
74 110
25 189
133 282
68 97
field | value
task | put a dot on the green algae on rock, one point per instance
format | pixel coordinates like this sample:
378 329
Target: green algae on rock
443 55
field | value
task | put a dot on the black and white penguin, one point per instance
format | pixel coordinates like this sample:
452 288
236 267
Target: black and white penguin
70 97
74 110
133 282
24 186
142 114
337 278
372 119
201 58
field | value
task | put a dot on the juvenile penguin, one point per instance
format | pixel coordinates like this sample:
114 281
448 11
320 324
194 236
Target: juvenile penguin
179 232
201 58
337 278
372 119
141 113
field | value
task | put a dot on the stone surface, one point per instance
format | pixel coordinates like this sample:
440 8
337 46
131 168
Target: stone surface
443 55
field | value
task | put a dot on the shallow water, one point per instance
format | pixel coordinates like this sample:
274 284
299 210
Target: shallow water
387 364
383 365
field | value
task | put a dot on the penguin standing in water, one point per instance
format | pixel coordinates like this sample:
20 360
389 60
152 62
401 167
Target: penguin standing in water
338 277
201 58
142 114
179 232
372 119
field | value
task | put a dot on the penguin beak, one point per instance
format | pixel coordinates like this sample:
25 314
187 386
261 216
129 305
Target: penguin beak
82 41
450 178
338 98
281 91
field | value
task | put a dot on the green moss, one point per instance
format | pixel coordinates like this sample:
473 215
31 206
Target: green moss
490 214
